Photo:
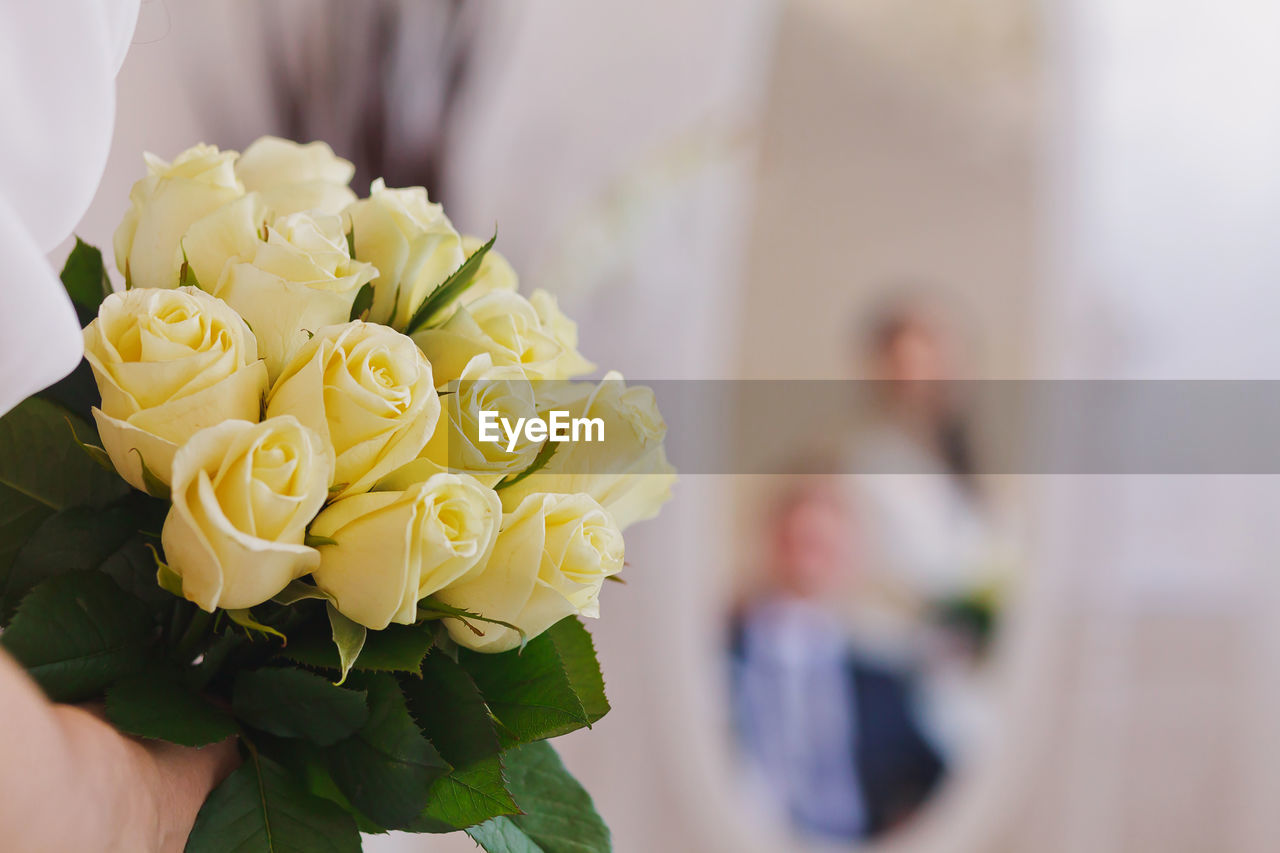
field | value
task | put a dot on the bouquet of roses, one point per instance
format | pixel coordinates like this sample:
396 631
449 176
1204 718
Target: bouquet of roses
268 505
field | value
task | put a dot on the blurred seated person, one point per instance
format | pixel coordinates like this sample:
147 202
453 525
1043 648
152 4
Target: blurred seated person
831 734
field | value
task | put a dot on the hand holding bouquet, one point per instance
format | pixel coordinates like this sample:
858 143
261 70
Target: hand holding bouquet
264 508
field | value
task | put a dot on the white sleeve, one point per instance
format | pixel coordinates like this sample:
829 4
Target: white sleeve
58 61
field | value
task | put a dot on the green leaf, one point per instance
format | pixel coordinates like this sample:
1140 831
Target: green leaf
133 567
396 648
170 581
503 835
307 763
313 541
363 302
96 453
451 711
186 275
430 608
43 470
578 656
85 276
294 703
41 459
18 518
453 714
77 392
551 688
75 539
78 633
244 618
450 289
157 705
299 590
387 767
539 462
155 487
223 647
262 807
351 247
559 814
349 637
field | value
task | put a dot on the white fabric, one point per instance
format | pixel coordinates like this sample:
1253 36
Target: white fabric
58 61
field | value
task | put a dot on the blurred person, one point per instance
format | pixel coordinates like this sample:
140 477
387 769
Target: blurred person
830 735
931 594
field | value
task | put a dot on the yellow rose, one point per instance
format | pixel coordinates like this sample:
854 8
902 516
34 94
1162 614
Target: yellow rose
164 204
532 334
368 390
456 446
243 495
395 548
292 178
628 472
287 277
168 364
551 558
410 241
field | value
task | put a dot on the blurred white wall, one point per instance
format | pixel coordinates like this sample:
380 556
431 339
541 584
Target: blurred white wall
1156 724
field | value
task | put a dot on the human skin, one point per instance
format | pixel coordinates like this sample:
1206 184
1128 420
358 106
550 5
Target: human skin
69 781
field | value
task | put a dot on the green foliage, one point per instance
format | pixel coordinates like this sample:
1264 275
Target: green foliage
430 608
452 713
550 688
43 470
96 453
539 462
263 807
299 590
426 736
85 277
133 567
158 705
155 487
349 639
77 633
558 813
295 703
396 648
246 620
387 767
450 289
75 539
363 301
186 275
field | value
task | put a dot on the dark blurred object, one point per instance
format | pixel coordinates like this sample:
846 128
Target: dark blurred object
379 80
971 619
832 734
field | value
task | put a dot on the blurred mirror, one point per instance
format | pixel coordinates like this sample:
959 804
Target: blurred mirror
870 578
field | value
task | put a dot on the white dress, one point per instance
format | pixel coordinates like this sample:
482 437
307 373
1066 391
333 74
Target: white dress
58 62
